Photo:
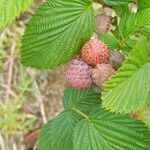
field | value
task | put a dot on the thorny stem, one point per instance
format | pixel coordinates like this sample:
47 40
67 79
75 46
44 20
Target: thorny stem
86 117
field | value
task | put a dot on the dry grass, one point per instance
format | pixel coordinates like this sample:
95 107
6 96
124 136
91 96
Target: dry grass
27 97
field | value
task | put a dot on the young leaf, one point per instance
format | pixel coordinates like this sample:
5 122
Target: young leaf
131 23
10 9
56 33
128 89
57 134
105 131
111 41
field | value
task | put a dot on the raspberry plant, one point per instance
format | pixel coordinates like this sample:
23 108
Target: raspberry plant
56 34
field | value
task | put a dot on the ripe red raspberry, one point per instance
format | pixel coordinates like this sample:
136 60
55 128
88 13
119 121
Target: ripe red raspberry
102 24
94 52
116 59
101 73
78 74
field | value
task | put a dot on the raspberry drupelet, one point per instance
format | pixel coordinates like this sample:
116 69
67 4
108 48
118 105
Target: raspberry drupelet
94 52
78 74
102 73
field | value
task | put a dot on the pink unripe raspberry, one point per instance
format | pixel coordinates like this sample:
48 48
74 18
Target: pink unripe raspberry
94 52
101 73
102 24
78 74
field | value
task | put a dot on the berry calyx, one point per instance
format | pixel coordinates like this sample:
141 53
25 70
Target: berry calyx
116 59
102 73
94 52
78 74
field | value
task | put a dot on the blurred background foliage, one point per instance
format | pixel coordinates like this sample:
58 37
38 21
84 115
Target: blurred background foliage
27 96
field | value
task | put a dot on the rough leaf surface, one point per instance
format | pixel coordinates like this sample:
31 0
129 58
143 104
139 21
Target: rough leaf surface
132 23
106 131
84 125
128 89
56 32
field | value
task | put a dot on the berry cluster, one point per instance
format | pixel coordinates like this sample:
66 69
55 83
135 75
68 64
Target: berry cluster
96 64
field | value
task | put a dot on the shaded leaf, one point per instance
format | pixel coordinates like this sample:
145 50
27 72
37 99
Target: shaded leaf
57 134
97 129
110 131
146 31
121 9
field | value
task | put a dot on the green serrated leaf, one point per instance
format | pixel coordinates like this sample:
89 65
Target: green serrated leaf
56 33
57 134
121 9
144 115
131 23
117 2
146 31
105 131
143 4
97 129
120 6
127 45
128 89
148 102
81 99
10 9
111 41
